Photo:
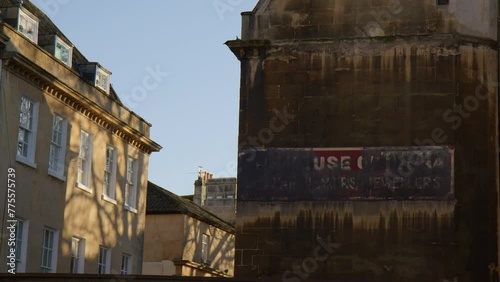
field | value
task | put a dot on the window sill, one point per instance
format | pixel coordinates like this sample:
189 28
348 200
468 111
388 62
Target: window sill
108 199
57 175
83 187
25 161
130 209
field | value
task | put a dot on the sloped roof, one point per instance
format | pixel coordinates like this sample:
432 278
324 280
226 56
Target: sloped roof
161 201
188 197
46 26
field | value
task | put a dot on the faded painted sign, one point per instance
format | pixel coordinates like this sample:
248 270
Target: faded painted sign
346 173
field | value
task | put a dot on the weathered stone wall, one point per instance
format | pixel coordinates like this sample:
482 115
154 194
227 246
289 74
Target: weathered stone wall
310 80
383 239
312 19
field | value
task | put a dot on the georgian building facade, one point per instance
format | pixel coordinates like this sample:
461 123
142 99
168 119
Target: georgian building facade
79 157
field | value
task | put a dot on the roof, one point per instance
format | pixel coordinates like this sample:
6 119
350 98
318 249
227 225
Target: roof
188 197
161 201
46 26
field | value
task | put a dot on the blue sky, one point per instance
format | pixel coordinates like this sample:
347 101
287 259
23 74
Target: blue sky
193 109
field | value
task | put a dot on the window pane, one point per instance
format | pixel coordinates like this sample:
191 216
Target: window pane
28 27
47 250
62 53
125 264
130 189
26 114
75 249
51 239
22 144
204 248
102 261
25 127
56 157
84 158
84 140
53 157
108 171
102 80
57 127
19 242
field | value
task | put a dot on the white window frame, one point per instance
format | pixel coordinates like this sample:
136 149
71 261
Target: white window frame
21 244
126 264
29 19
130 194
67 46
109 175
48 263
205 240
58 151
85 161
103 263
77 254
102 75
29 130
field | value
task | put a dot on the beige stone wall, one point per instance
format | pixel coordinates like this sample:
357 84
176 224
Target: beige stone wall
166 268
40 198
47 201
164 237
178 238
221 245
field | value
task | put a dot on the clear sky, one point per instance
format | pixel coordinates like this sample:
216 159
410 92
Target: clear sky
192 99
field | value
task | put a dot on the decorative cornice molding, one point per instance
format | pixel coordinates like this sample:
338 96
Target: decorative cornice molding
53 87
247 49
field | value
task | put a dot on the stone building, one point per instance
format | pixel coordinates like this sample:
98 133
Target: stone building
368 140
76 159
216 195
183 239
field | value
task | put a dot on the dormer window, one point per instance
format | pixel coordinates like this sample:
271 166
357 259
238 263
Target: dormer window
63 51
97 75
56 46
22 20
28 26
102 80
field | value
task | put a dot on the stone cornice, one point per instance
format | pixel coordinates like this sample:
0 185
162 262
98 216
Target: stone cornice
241 48
31 72
247 49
